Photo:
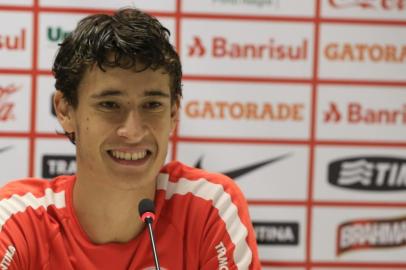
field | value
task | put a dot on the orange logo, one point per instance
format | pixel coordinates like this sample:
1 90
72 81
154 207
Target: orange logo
223 110
362 52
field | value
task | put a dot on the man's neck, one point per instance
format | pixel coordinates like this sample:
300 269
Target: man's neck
107 214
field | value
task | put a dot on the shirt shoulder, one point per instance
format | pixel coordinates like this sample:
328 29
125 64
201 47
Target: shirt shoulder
34 186
178 171
30 211
21 197
210 209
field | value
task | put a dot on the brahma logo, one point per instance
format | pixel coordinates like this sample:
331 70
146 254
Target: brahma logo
371 234
54 165
369 173
363 52
356 113
369 4
221 47
7 106
13 43
276 233
226 110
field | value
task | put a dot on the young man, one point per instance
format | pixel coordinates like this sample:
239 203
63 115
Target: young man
118 84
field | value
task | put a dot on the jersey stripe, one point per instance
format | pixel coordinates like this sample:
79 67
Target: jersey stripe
17 203
228 211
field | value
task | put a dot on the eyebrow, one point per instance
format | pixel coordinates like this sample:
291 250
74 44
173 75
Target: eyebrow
115 93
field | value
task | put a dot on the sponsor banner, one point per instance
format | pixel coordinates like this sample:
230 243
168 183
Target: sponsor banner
15 39
54 27
54 157
16 2
365 9
359 234
360 174
252 7
46 117
283 268
358 52
361 113
245 110
280 232
15 103
261 171
170 24
156 5
266 49
353 268
13 159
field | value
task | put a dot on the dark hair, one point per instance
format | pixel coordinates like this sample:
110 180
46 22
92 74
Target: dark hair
123 39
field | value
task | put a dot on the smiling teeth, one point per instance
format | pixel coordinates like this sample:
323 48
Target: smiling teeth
129 156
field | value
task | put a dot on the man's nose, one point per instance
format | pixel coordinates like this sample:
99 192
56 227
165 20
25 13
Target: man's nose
133 127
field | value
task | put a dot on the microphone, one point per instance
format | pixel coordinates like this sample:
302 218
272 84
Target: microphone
146 210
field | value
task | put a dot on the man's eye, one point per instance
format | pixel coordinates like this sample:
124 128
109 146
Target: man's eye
153 105
109 105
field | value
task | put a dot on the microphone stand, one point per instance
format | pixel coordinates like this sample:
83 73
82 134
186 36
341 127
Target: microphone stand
148 221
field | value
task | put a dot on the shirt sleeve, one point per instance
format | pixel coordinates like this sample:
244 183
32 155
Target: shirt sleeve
13 247
229 240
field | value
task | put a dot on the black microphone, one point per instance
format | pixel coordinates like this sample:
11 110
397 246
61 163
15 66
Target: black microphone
147 214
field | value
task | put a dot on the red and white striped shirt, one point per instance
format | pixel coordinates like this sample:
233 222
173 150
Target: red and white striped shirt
202 222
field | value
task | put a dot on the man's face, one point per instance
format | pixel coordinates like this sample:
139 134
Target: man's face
122 125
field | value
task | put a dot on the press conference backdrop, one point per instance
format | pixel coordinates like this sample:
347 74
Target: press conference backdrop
302 102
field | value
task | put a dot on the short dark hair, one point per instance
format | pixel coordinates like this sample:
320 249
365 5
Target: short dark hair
127 37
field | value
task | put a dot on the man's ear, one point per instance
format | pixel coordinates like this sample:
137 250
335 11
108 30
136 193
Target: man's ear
63 112
175 114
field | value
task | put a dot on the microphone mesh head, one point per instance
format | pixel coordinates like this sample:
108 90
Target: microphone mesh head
146 205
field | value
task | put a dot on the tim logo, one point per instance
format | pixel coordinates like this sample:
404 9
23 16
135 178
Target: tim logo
369 4
277 233
369 173
6 105
54 165
371 234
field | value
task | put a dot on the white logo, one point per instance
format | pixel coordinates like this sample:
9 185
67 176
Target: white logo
8 257
221 256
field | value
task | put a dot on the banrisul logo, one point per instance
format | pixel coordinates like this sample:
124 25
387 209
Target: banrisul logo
54 165
56 33
371 234
376 173
276 233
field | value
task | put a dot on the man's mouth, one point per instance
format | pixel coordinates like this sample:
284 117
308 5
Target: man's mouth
129 156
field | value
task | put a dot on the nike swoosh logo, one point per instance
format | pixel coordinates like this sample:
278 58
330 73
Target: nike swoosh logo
235 173
4 149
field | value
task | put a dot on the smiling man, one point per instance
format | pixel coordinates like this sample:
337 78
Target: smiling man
118 82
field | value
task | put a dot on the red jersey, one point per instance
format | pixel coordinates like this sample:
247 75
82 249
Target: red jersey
202 222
